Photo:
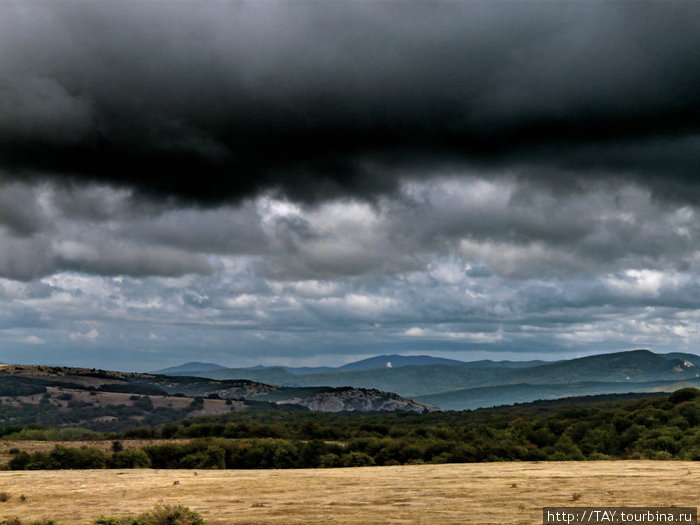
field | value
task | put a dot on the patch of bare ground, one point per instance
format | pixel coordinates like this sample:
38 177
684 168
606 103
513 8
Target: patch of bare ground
484 493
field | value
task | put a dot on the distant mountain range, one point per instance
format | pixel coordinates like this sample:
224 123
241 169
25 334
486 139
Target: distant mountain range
372 363
451 384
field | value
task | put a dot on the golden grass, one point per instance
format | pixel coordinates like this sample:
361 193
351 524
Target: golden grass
485 493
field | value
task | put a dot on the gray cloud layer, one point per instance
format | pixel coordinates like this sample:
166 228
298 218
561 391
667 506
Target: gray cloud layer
455 264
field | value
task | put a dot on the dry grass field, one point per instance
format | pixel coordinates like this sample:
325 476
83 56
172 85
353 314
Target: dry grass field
482 493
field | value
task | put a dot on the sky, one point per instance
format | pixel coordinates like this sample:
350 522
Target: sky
309 183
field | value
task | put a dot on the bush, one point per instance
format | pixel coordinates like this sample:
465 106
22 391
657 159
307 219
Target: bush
170 515
132 458
331 461
20 461
63 457
358 459
160 515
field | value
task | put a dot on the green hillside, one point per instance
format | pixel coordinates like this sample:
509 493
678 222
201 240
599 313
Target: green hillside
472 398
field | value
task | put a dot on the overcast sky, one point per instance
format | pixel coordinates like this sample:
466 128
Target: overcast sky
307 183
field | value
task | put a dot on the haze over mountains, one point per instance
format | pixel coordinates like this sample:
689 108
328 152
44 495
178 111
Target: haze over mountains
451 384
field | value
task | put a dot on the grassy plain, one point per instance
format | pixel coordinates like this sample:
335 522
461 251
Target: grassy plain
483 493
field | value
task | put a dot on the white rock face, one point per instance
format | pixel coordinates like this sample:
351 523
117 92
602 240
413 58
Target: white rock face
357 399
333 400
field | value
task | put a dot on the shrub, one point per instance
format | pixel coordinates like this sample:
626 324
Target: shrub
132 458
358 459
63 457
5 496
20 461
663 455
331 461
168 515
160 515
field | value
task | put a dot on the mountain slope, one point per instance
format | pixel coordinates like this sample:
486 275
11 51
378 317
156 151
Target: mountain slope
691 358
396 361
490 396
193 366
272 375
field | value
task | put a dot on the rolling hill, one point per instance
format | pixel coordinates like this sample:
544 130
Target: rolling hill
112 401
490 396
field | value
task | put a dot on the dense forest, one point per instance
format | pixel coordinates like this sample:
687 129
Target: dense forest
664 427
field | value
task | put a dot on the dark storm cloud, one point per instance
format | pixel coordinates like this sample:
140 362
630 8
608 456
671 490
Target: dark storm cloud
19 210
217 101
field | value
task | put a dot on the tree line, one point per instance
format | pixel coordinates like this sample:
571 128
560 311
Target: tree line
656 428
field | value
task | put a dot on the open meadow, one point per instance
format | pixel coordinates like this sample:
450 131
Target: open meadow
483 493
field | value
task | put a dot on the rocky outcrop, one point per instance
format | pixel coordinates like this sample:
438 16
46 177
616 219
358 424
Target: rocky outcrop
357 399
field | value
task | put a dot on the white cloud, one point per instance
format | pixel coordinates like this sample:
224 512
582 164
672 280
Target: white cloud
645 282
90 336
